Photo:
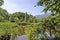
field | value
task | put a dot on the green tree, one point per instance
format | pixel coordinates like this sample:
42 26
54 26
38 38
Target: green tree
1 18
50 5
21 17
3 12
53 22
1 2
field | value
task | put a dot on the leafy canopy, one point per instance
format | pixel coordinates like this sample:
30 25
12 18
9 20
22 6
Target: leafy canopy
50 5
1 2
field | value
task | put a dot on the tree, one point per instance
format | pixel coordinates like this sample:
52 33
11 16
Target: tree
53 6
21 17
1 2
54 21
4 14
50 5
1 18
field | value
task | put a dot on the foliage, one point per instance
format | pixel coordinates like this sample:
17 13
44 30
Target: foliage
5 30
1 2
50 5
13 24
3 14
52 22
21 17
20 23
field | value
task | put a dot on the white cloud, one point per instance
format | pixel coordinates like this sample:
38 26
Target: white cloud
10 7
21 5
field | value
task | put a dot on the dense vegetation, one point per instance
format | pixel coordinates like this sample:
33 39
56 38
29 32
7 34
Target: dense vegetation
20 23
15 17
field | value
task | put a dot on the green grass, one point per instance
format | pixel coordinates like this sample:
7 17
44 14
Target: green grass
5 27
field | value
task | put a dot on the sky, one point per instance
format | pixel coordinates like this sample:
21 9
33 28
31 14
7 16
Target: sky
23 6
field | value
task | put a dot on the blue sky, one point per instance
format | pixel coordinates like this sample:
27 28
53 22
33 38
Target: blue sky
22 6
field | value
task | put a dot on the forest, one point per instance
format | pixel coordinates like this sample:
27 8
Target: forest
20 23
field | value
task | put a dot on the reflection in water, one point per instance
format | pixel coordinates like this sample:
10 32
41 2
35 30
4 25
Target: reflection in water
23 37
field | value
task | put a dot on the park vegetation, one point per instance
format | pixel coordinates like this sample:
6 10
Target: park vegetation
20 23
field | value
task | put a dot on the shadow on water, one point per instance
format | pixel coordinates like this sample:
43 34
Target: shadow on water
57 38
23 37
5 37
